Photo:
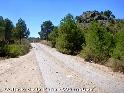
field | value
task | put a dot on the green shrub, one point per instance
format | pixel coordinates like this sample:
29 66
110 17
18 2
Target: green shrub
115 64
98 44
26 46
117 60
53 36
14 50
63 45
118 52
3 50
70 38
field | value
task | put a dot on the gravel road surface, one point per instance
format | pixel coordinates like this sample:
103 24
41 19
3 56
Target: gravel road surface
70 74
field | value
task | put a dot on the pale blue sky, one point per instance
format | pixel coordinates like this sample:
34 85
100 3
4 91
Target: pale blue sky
34 12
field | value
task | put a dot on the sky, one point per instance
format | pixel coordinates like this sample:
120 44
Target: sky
35 12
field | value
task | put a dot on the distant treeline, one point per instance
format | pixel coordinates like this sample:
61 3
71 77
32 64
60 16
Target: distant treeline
96 36
13 38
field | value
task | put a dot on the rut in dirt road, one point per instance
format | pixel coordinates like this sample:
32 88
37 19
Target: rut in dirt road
64 74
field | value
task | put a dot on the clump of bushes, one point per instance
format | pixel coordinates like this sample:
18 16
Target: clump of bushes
69 38
117 60
53 36
3 50
115 64
15 50
118 51
98 44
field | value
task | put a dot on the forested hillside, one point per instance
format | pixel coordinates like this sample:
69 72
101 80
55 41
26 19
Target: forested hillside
96 36
13 39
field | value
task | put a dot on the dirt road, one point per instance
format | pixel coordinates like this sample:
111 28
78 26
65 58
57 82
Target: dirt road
44 70
21 75
68 74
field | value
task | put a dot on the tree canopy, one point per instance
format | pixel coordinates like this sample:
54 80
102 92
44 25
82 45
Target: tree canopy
8 31
70 37
21 30
89 16
46 28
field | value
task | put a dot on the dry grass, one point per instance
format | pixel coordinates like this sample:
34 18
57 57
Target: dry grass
45 42
116 65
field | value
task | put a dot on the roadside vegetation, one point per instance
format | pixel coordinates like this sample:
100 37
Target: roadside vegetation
13 39
96 36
